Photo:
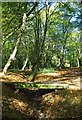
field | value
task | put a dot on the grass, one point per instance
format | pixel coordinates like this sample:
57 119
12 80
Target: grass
43 86
42 71
46 70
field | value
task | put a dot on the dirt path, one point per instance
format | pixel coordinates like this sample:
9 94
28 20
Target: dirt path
70 76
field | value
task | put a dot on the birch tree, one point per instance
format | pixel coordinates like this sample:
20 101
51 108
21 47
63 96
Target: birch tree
21 32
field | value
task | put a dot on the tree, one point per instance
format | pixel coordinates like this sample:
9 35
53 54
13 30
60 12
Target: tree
21 32
49 37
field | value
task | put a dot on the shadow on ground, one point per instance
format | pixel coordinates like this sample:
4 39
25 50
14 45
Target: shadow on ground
37 104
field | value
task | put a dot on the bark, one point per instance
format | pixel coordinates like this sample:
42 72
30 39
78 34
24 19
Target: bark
25 63
22 28
12 56
80 57
44 35
36 61
45 27
62 63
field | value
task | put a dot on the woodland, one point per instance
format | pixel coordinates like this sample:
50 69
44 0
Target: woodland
41 51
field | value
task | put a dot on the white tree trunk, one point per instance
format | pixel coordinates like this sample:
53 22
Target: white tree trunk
25 63
22 29
12 56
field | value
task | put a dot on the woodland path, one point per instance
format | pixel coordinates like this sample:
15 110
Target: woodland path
70 76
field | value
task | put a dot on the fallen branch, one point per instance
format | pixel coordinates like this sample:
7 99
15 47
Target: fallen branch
33 85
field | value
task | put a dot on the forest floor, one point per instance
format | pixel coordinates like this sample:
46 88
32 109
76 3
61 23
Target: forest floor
41 104
59 104
70 76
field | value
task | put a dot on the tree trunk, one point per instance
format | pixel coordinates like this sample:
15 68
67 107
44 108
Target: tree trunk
45 31
36 59
61 63
12 56
25 63
78 65
40 36
22 29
